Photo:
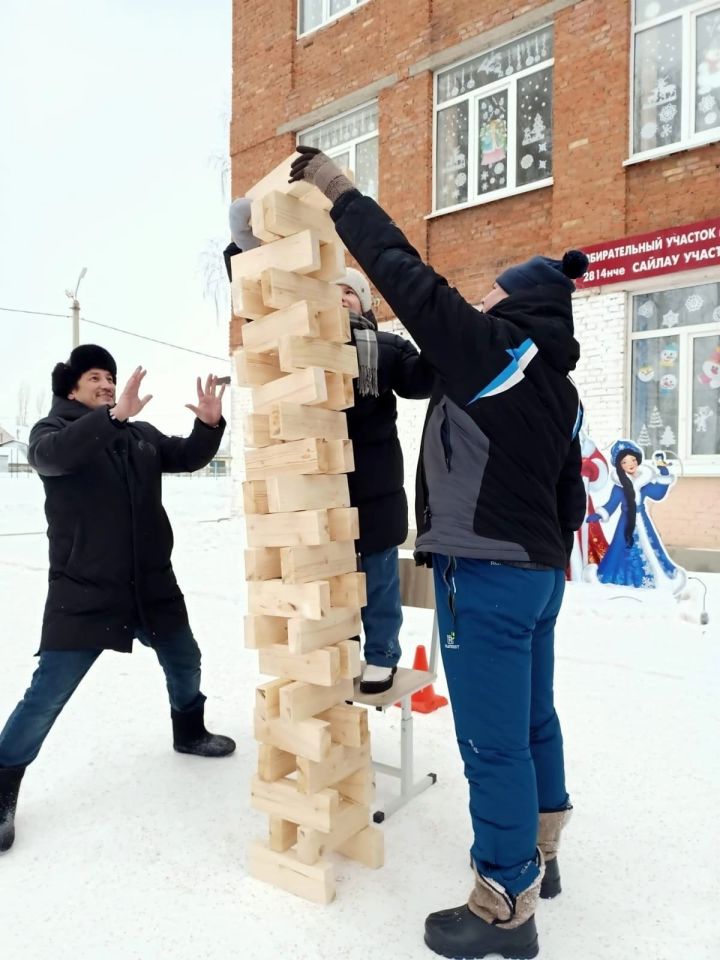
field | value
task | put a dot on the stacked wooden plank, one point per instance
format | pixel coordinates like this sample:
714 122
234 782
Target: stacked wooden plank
314 777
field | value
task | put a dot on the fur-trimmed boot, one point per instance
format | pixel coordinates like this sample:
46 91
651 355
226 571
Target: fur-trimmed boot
190 735
491 922
551 826
10 778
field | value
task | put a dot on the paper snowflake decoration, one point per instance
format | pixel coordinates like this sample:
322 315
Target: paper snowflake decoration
694 302
668 112
647 309
670 319
527 161
716 315
707 103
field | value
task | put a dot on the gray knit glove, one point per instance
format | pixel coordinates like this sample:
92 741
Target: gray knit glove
313 166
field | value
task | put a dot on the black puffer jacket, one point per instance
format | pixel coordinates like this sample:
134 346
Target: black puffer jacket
499 476
110 538
377 484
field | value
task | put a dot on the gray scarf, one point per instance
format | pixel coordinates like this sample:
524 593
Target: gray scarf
365 336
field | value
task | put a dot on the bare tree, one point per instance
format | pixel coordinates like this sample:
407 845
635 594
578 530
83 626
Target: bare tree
23 404
40 402
214 275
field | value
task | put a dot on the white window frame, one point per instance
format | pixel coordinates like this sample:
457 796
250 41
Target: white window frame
688 140
326 16
347 146
693 465
506 83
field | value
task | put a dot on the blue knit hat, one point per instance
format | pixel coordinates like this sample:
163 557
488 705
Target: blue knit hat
541 271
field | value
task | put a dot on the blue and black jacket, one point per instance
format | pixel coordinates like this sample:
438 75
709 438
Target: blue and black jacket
499 472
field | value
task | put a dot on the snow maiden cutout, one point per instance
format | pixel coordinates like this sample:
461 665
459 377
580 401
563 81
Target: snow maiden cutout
636 556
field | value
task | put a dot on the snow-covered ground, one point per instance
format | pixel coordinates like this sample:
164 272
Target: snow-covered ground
128 851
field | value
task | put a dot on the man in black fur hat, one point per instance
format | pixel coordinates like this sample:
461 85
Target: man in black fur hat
111 579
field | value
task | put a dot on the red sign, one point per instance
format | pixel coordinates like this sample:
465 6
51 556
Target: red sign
688 247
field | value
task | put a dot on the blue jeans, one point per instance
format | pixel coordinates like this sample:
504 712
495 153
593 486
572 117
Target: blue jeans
497 640
382 617
59 673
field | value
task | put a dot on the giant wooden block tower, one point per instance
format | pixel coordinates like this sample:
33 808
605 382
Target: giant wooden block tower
314 777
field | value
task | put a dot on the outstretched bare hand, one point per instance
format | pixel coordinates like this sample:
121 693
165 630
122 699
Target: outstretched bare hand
209 405
129 403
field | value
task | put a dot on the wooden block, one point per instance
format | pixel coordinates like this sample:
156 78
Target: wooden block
263 563
257 223
305 564
338 624
267 699
299 253
299 701
299 319
303 528
344 523
262 631
307 386
339 390
304 738
235 339
359 786
332 262
280 288
255 499
285 494
340 458
283 799
349 660
256 430
350 820
277 179
321 667
285 216
348 724
282 834
247 299
334 323
343 765
313 882
297 353
273 598
290 421
296 458
348 590
367 847
255 369
274 764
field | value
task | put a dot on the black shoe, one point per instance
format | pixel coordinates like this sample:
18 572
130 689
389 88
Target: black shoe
10 778
462 935
379 685
190 735
550 886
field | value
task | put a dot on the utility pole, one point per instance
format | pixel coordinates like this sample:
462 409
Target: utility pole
75 310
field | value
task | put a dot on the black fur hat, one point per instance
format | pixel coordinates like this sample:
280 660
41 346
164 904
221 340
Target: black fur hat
86 357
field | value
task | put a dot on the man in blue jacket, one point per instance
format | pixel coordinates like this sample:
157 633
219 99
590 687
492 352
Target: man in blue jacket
499 497
111 578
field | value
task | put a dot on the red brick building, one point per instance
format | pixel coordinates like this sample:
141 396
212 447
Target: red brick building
490 136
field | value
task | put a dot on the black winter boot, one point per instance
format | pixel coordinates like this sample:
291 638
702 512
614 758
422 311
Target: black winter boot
493 922
190 735
10 778
551 826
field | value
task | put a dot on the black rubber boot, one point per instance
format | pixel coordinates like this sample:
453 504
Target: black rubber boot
10 778
462 935
550 886
377 686
190 735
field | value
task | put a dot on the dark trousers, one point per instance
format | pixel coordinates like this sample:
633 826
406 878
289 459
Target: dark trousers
58 674
497 636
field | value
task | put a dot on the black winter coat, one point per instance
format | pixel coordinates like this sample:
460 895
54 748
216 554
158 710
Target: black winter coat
377 484
499 475
110 538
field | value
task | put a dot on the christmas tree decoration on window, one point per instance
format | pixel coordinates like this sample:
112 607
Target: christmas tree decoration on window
636 556
668 437
644 437
656 421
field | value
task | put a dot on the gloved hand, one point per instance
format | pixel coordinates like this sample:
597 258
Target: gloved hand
422 559
314 167
240 229
593 518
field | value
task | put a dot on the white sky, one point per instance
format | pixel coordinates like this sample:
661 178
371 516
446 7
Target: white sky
111 112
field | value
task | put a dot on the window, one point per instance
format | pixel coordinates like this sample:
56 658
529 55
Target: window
675 396
493 123
676 75
313 14
352 140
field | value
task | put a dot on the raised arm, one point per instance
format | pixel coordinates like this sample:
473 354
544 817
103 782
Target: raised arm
413 376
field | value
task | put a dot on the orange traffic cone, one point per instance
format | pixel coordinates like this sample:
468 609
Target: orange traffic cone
425 700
